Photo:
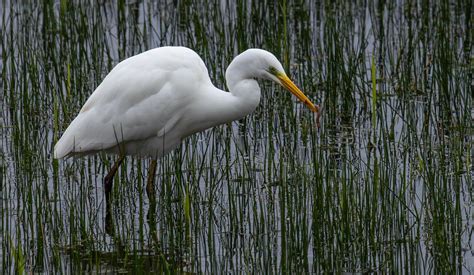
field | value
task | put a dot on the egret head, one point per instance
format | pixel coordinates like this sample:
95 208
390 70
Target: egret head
262 64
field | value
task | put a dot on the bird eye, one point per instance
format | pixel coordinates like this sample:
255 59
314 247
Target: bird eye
273 71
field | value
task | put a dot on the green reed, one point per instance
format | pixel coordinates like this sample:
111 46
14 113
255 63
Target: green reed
384 185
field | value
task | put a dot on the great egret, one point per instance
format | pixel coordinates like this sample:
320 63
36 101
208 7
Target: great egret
149 102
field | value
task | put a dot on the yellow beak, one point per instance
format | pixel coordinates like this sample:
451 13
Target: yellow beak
290 86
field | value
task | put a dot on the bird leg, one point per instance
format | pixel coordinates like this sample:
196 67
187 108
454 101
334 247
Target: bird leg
150 183
150 189
108 182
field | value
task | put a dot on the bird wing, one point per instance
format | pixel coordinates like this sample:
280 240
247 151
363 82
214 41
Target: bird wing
142 97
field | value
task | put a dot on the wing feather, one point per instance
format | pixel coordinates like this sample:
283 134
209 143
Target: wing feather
137 100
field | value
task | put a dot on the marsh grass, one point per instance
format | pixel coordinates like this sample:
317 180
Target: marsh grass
385 185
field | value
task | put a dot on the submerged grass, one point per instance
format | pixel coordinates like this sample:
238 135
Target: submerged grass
385 185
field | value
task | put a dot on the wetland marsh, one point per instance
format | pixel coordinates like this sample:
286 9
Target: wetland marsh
385 184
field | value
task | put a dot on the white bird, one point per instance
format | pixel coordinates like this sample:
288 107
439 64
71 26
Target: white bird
151 101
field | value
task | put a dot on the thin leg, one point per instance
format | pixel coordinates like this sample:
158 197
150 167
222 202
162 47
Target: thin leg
150 191
108 182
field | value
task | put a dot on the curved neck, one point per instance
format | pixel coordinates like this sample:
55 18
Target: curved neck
246 94
222 107
242 85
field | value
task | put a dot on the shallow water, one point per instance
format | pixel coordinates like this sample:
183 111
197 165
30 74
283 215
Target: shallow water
384 185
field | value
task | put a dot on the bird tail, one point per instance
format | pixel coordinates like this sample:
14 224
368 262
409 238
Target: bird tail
62 147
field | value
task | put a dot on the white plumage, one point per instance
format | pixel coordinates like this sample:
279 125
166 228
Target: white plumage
149 102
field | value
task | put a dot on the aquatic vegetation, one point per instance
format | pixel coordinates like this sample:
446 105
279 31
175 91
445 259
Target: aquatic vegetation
385 184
